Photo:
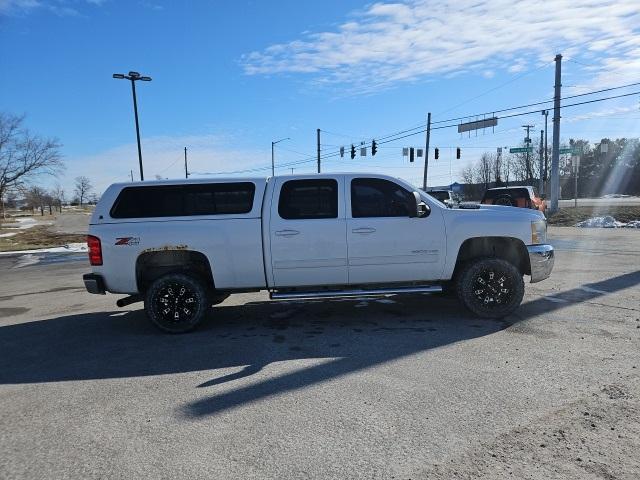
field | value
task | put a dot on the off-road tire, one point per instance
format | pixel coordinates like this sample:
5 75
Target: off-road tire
177 302
490 287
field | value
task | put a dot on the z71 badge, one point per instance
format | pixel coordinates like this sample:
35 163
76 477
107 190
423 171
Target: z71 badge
128 241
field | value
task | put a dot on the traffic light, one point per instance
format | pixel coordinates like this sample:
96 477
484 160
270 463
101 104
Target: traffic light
411 154
374 147
458 153
436 153
353 151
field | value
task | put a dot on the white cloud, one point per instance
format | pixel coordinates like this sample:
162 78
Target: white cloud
389 43
607 112
8 7
58 7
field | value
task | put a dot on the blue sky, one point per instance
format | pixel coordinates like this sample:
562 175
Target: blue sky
231 76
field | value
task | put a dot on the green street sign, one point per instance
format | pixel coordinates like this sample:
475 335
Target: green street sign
571 150
521 150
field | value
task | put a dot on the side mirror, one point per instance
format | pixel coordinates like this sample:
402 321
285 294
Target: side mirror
422 209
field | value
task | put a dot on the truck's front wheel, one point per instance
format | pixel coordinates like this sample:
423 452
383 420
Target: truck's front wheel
176 302
490 287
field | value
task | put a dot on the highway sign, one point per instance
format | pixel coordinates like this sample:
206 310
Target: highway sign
571 150
521 150
478 124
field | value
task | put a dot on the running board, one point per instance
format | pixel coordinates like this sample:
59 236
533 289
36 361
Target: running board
354 293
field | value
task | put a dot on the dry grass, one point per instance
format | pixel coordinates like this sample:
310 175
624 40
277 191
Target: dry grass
566 217
37 237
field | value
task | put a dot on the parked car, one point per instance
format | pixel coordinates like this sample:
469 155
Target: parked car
182 246
523 197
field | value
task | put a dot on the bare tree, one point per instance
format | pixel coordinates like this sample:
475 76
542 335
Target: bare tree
467 174
36 198
485 170
24 155
83 187
57 193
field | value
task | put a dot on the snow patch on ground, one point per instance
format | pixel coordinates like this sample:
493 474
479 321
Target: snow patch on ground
26 260
24 223
70 248
606 222
6 235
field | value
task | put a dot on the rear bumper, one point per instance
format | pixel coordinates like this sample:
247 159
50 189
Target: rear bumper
541 258
93 283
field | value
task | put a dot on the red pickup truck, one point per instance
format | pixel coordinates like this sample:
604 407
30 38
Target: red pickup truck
523 197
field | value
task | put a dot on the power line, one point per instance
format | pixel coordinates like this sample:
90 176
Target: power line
538 103
495 88
421 129
171 165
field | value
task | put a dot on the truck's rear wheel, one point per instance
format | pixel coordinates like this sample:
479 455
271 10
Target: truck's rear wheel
490 287
176 302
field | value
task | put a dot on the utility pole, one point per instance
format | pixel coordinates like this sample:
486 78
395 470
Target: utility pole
541 172
527 142
555 154
132 175
186 171
426 152
575 165
546 151
273 161
575 181
506 171
498 159
318 135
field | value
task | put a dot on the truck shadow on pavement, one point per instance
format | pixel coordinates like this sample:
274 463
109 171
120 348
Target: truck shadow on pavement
352 335
124 343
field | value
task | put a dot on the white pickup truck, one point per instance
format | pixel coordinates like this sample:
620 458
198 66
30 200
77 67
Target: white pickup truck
182 246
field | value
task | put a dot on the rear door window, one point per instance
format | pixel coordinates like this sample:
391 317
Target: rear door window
308 199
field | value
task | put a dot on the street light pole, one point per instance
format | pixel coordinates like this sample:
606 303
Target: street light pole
135 113
273 164
133 77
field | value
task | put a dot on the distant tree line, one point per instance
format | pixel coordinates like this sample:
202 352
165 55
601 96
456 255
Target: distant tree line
24 159
609 166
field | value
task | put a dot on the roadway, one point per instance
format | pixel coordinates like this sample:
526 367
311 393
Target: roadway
400 387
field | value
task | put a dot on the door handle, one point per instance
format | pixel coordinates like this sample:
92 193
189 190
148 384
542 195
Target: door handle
286 233
363 230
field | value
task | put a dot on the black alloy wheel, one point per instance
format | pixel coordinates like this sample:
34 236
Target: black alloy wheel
490 287
176 302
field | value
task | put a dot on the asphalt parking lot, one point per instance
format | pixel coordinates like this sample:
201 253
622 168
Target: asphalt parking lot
408 387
